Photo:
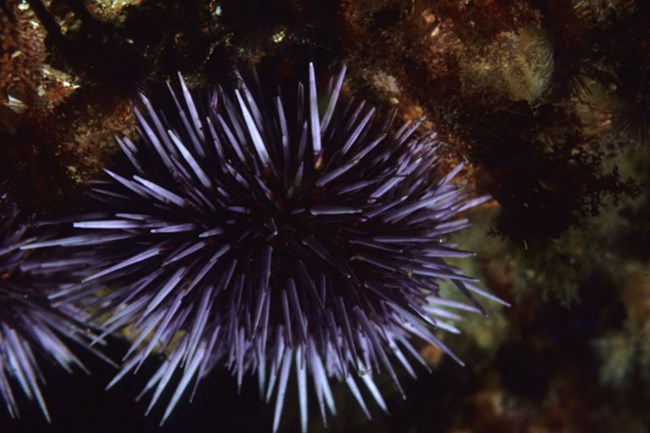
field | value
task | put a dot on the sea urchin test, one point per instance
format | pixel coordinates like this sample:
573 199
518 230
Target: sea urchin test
277 232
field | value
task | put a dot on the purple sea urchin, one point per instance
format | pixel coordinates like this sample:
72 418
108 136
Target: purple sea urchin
29 325
257 232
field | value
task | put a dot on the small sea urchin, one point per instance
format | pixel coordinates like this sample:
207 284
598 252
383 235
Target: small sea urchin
270 234
30 327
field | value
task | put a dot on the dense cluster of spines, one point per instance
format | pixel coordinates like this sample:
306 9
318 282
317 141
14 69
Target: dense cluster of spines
30 326
253 231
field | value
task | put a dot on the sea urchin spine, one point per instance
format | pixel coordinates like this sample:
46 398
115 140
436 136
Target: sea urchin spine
266 234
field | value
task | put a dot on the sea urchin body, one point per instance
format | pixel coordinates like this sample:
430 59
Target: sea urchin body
272 235
30 327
